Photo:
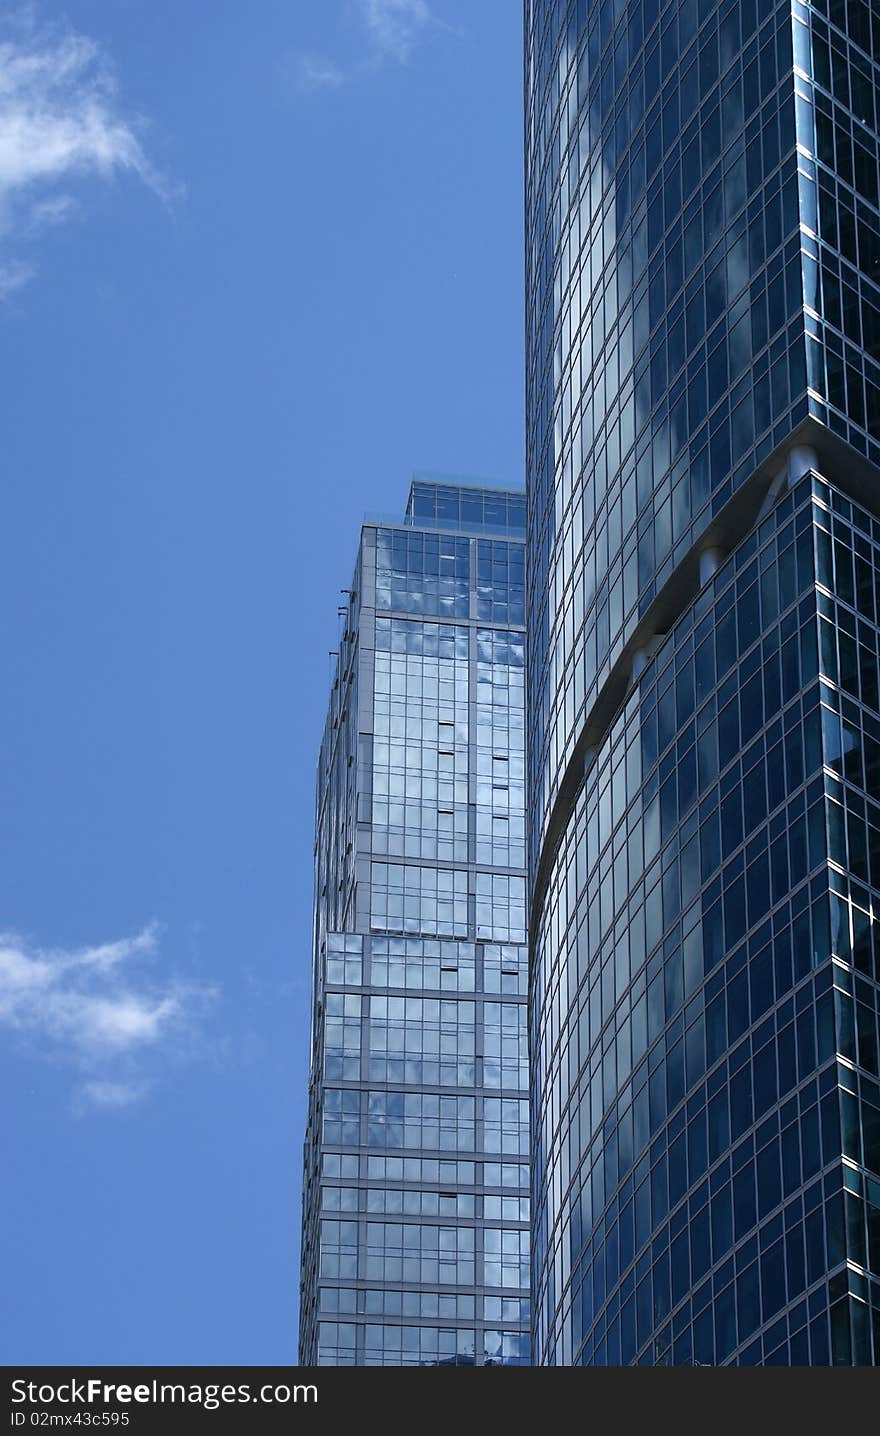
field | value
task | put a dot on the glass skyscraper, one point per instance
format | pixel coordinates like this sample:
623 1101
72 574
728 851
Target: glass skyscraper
415 1214
703 431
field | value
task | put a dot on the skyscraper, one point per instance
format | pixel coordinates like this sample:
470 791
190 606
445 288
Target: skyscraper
415 1211
703 430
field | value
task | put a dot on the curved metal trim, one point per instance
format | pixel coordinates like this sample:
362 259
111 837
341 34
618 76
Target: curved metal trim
850 470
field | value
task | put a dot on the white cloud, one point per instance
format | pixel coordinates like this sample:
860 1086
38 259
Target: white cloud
86 1005
109 1095
313 72
60 121
390 30
14 274
54 209
395 26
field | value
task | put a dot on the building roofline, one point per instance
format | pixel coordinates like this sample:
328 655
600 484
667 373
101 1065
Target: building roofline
464 481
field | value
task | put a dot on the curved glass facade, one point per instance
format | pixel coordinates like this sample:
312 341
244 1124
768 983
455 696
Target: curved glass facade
703 405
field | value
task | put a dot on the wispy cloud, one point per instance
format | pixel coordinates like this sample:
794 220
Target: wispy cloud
14 274
316 73
388 30
109 1095
60 121
87 1006
395 27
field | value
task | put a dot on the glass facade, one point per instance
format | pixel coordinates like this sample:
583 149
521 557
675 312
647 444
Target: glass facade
415 1210
703 432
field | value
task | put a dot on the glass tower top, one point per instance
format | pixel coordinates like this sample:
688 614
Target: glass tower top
470 508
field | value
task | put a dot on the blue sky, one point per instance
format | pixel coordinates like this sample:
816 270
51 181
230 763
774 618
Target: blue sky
257 264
